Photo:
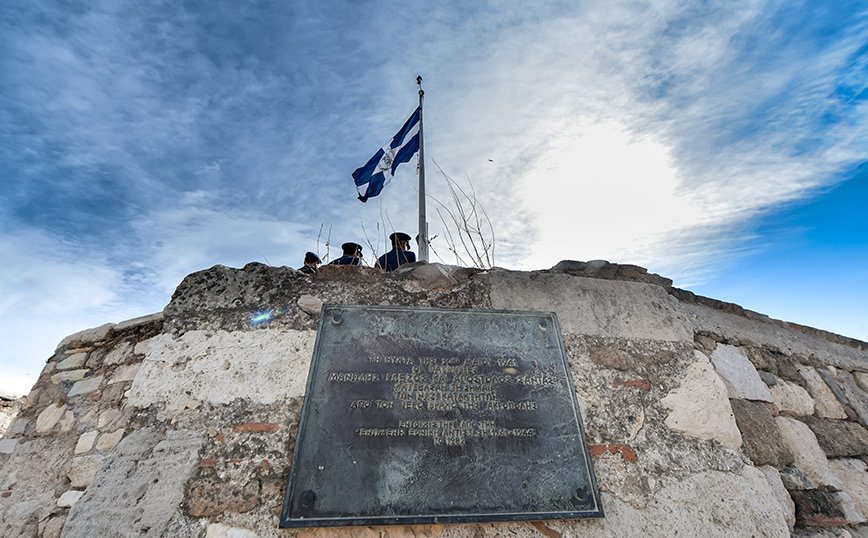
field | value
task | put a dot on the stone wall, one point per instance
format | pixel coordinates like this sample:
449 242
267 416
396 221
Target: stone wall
704 419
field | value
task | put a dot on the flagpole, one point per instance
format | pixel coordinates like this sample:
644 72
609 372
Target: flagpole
423 224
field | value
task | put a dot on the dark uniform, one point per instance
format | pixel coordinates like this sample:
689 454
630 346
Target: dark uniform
352 255
397 256
311 261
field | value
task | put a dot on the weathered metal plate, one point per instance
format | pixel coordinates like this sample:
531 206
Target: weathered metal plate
419 416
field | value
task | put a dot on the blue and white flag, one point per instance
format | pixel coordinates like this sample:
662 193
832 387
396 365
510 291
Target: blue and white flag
377 173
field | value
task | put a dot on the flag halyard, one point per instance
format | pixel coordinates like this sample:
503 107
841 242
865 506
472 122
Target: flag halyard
379 170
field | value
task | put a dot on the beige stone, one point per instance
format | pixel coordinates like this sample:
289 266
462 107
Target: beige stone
85 442
85 386
107 418
49 417
69 375
788 507
262 366
125 373
310 304
810 458
861 380
592 306
83 470
87 336
739 375
792 399
69 421
826 405
52 528
69 498
852 474
75 360
136 322
142 347
700 407
107 441
219 530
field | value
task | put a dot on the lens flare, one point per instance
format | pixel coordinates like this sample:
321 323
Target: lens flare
266 316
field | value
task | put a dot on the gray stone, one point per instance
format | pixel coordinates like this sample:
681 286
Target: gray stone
139 487
85 386
852 474
760 433
739 375
7 446
787 506
86 337
861 380
76 360
219 530
138 322
119 354
848 506
769 379
809 457
700 407
792 399
839 438
593 307
856 397
826 405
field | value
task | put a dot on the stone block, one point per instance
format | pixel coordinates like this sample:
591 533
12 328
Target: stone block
852 474
68 422
69 498
74 361
107 441
86 386
138 322
49 417
613 357
212 497
223 366
108 418
792 399
809 457
69 375
85 442
139 487
795 479
760 434
310 304
861 380
87 336
781 494
119 354
83 470
7 446
815 508
739 375
857 399
142 347
839 438
826 405
700 407
52 528
125 373
593 307
848 506
219 530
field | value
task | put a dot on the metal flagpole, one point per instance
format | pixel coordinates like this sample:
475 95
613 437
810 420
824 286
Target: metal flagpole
423 223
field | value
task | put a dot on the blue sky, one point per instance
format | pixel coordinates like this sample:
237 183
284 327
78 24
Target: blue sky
720 144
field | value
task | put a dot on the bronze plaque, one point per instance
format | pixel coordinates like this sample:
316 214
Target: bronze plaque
423 415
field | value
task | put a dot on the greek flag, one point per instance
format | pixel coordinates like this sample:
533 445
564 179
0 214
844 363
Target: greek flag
377 173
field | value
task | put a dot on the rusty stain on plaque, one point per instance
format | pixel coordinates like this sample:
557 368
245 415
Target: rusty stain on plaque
423 415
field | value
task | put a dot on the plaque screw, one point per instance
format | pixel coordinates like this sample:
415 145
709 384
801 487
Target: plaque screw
337 319
543 325
307 498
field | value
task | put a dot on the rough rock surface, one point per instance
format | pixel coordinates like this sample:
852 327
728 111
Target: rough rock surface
762 437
